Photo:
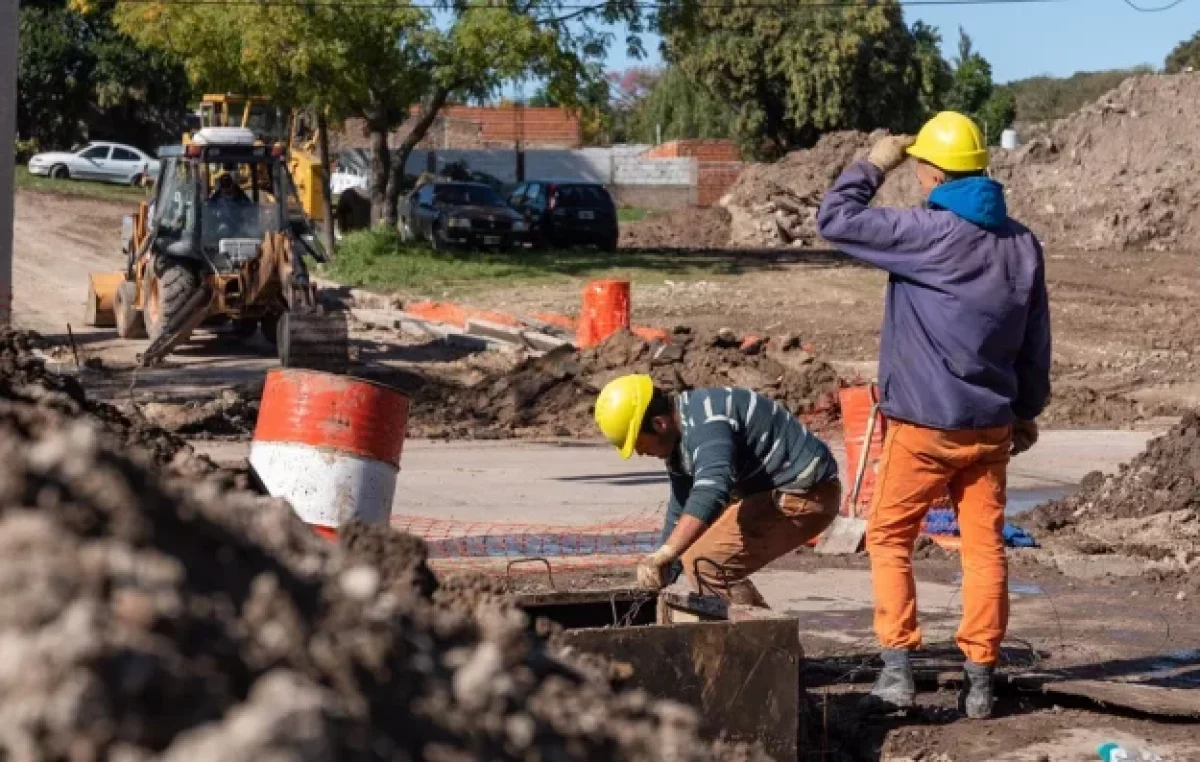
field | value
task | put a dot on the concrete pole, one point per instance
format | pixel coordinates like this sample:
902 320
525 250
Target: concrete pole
8 133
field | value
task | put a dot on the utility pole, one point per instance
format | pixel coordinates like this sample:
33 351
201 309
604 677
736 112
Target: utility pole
8 133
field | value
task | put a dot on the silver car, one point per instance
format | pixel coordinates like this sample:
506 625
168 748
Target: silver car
106 162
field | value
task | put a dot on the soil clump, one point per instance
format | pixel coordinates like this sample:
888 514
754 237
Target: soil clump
553 395
691 228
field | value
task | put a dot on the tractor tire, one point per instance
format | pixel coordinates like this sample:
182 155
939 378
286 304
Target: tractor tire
60 172
131 324
169 291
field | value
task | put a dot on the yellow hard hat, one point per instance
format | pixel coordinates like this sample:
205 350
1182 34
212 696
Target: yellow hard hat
952 142
620 409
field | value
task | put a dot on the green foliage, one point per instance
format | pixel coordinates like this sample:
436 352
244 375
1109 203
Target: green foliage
1186 54
936 75
971 85
997 113
1043 98
681 107
381 260
79 77
23 149
793 73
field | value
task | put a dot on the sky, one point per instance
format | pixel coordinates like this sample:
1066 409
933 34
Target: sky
1058 38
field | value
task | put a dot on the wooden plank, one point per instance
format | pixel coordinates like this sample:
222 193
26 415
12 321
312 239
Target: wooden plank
1151 699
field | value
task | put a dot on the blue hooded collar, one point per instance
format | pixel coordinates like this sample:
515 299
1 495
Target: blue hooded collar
979 200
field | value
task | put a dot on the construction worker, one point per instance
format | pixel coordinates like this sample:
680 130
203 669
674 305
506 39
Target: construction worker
749 482
964 371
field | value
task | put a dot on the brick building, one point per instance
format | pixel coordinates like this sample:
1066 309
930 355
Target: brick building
480 128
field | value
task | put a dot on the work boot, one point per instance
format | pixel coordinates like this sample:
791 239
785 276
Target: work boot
975 699
894 688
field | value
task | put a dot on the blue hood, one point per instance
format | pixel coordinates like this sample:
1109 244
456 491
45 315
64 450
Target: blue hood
979 200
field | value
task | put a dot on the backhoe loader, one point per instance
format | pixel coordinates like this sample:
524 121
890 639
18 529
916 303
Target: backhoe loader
221 242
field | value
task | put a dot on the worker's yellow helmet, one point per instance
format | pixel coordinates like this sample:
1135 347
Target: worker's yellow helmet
951 142
621 408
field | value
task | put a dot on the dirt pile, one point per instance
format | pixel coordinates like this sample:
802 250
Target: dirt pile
1118 173
553 395
1150 508
692 228
776 204
229 415
150 617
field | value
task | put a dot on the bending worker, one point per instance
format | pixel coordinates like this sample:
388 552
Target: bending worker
964 369
749 482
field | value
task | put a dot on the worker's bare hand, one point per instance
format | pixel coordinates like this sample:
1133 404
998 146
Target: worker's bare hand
1024 436
652 570
890 152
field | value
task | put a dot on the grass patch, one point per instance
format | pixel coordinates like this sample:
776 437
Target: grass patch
627 214
77 188
380 260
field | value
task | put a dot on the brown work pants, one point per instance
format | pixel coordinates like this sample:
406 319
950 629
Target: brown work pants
919 468
752 533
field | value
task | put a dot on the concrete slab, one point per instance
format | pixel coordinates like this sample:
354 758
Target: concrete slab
582 483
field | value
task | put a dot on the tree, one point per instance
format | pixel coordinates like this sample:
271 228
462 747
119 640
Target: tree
680 108
79 78
997 113
1186 55
973 93
1043 98
793 73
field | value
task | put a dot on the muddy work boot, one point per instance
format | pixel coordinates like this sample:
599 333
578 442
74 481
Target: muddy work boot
894 689
975 699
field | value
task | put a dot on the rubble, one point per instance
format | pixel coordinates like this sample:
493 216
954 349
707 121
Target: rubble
1149 509
552 395
1117 174
148 616
776 204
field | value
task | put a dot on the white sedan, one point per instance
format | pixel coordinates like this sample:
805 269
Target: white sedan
106 162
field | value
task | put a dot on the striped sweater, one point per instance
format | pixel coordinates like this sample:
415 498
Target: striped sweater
735 443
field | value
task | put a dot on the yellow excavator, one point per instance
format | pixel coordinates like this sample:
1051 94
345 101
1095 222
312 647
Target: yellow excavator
221 243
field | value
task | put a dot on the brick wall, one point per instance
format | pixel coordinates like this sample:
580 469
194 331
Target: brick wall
474 128
714 179
702 150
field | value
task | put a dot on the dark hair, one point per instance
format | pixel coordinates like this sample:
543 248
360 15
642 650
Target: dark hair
660 404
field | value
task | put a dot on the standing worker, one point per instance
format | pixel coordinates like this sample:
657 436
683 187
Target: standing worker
749 482
964 369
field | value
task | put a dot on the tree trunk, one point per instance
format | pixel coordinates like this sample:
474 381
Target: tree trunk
419 130
326 190
381 160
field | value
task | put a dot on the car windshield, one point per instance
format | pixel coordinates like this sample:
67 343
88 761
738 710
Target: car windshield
588 196
468 195
238 204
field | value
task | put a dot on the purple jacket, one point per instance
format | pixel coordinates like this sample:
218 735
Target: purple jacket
966 332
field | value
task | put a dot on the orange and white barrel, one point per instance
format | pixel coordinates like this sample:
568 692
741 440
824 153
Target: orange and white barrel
330 445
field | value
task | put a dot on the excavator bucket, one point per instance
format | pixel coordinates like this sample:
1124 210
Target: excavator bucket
102 293
314 339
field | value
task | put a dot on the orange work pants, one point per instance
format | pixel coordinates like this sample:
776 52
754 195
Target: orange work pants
919 467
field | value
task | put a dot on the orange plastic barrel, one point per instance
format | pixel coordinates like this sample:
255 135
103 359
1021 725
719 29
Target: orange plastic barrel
605 311
330 445
857 404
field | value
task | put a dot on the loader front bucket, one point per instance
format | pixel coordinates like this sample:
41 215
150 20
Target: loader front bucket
102 293
314 339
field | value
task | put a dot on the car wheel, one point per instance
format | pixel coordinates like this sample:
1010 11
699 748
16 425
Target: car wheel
436 242
610 245
60 172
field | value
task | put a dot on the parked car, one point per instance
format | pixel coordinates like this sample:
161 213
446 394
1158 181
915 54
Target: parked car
568 214
461 214
106 162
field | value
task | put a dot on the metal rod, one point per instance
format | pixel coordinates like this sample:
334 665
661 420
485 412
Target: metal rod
74 349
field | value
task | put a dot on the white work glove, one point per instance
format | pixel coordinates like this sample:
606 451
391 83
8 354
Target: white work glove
1024 436
890 152
652 570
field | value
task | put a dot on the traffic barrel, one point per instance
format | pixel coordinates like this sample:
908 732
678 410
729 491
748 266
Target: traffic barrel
605 311
330 445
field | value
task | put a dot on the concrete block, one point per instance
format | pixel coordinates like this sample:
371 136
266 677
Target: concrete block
513 335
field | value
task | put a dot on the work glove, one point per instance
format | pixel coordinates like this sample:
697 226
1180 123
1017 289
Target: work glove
652 570
890 152
1024 436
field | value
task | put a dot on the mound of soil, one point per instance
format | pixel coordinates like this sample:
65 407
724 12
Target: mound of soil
553 395
693 228
1081 406
776 204
1149 508
1118 173
150 616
